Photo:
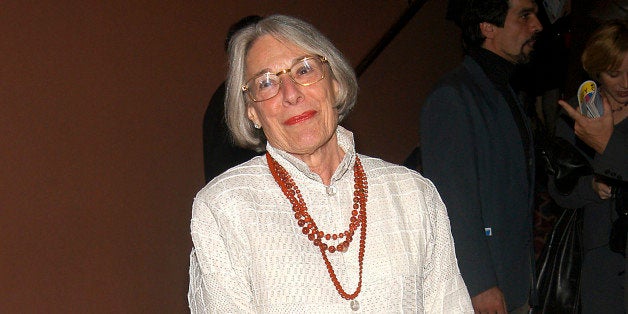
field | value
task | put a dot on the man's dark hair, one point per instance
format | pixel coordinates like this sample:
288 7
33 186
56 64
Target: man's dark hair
476 12
242 23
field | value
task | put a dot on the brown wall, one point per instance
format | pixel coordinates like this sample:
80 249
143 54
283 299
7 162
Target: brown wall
101 106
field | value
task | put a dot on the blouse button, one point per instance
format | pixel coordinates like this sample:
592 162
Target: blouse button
355 305
331 190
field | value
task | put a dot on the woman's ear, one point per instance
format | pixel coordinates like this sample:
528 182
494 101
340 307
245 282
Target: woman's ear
252 115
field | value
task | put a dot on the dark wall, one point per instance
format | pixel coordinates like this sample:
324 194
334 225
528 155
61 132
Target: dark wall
101 106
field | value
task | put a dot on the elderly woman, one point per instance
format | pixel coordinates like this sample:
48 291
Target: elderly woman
605 59
312 226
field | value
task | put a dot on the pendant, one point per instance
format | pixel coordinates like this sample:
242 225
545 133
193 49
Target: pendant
355 305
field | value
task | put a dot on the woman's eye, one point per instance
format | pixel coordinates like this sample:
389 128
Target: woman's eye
304 69
613 73
265 82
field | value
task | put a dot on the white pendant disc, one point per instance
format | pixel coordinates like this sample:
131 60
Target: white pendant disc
355 305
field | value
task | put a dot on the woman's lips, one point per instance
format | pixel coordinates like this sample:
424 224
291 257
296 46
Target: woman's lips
300 118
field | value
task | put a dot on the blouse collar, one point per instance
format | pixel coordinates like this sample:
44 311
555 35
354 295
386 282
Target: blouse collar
293 164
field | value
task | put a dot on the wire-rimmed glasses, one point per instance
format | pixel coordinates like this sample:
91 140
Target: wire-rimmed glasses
305 72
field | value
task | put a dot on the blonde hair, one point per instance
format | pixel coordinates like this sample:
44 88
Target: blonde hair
606 48
299 33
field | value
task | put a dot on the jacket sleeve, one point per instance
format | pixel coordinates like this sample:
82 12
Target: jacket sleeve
218 280
613 162
446 132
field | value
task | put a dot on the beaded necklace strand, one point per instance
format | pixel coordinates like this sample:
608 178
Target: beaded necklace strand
309 228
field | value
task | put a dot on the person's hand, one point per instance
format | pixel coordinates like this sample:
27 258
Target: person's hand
594 132
489 301
601 189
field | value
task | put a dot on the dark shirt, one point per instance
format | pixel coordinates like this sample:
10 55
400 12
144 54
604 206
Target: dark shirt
500 72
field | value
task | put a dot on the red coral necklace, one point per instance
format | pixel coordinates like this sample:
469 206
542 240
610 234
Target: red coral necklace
309 228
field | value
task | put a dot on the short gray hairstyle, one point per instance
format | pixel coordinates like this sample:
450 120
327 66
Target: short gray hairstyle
287 29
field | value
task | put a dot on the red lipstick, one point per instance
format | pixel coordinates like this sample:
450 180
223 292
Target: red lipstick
300 118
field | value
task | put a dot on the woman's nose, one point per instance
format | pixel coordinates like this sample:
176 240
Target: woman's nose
290 91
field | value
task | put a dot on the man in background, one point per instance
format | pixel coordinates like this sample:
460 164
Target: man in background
476 146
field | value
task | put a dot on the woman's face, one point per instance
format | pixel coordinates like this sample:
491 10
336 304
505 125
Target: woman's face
615 83
299 119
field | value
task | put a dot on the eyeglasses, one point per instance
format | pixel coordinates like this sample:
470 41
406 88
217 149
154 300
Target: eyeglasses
304 72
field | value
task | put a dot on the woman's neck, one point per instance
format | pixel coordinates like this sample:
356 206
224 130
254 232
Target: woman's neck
619 110
620 114
324 160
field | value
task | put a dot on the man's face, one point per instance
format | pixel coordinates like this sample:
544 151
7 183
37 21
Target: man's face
515 40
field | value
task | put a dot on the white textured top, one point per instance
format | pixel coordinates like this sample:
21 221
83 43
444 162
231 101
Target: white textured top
251 256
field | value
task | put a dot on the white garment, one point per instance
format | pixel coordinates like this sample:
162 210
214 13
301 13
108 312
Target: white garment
251 256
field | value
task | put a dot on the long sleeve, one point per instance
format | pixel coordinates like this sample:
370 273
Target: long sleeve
613 162
445 291
223 286
581 195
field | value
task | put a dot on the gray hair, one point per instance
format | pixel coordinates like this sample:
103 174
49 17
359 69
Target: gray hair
287 29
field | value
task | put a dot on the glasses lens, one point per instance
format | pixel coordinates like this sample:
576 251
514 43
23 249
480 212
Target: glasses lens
307 71
264 86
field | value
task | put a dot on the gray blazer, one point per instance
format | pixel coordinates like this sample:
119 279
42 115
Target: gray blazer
613 162
472 150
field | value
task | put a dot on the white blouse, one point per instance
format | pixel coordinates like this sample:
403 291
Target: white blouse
250 256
